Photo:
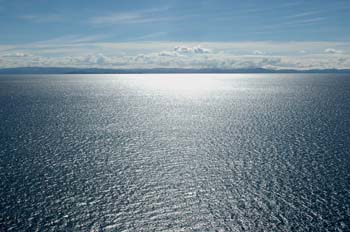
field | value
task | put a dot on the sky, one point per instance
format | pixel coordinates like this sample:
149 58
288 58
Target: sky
224 34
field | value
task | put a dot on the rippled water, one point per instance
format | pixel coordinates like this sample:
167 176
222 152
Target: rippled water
175 153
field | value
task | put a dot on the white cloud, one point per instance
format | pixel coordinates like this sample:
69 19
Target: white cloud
195 50
99 59
199 50
332 51
182 49
258 52
168 53
17 54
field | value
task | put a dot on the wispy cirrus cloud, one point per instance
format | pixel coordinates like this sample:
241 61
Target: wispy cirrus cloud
303 14
72 44
149 36
70 39
134 17
297 23
43 18
272 8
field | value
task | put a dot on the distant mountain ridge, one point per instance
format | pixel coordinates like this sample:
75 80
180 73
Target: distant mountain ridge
63 70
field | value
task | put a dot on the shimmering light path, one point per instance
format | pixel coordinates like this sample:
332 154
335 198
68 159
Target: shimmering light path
175 153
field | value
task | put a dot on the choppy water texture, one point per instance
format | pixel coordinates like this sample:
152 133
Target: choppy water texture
175 153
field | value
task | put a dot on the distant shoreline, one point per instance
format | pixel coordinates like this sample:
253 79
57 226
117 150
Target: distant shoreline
64 70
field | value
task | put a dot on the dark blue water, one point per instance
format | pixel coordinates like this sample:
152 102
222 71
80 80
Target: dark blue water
175 153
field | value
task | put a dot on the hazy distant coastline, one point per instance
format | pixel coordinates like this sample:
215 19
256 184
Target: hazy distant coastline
64 70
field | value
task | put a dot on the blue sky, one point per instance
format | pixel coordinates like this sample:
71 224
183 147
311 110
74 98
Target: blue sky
168 33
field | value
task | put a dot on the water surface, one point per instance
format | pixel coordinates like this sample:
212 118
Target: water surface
175 152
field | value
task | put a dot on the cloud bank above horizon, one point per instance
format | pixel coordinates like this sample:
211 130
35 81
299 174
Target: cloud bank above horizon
199 55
